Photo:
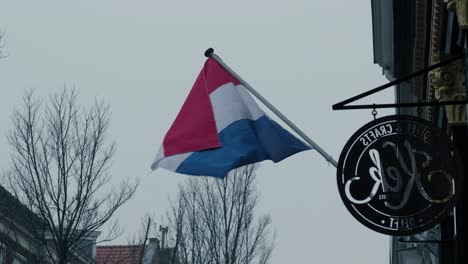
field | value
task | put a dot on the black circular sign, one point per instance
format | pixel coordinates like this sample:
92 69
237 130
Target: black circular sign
399 175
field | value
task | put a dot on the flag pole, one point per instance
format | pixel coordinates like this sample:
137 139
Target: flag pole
210 54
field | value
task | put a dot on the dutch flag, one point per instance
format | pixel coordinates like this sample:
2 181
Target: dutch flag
220 128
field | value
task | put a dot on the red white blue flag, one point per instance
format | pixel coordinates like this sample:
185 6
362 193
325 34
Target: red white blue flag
220 128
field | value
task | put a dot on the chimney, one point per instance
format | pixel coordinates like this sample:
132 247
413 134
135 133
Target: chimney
151 250
154 242
164 231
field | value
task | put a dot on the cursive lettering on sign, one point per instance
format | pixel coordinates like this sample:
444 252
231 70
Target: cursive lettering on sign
381 175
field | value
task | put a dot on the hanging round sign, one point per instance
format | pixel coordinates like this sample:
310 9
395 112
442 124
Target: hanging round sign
399 175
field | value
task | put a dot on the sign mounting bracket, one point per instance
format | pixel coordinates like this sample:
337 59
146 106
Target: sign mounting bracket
343 105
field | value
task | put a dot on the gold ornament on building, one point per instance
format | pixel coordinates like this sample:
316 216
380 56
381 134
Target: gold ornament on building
460 7
448 84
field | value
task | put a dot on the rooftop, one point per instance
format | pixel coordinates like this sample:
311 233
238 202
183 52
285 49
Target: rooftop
119 254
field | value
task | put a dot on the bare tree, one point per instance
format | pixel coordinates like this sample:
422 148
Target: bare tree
60 170
215 223
3 208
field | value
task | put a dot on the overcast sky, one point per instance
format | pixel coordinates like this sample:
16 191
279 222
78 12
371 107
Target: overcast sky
142 58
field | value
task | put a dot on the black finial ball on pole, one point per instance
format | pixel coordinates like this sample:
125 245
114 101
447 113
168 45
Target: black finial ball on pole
209 52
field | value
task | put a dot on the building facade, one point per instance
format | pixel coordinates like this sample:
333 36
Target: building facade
18 245
409 36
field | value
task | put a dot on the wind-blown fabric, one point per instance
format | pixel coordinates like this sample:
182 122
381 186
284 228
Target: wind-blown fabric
220 128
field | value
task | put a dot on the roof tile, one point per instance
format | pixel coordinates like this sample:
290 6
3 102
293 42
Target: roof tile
118 254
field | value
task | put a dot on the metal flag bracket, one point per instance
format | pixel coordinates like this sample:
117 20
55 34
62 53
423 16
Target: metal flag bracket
343 105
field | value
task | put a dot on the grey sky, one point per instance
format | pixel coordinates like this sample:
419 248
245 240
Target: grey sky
143 56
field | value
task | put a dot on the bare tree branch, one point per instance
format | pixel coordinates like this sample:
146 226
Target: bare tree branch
215 221
2 44
60 168
135 251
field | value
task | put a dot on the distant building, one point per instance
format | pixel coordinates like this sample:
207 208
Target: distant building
152 253
86 252
129 254
18 244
